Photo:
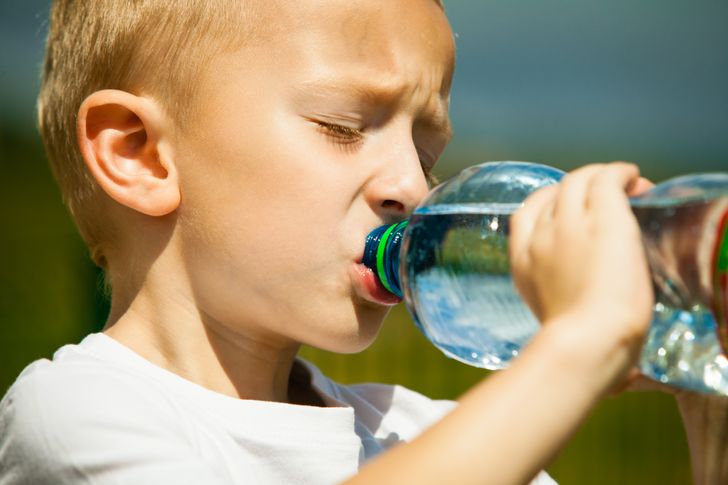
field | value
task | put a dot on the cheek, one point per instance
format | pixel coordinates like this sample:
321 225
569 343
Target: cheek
268 244
266 177
265 210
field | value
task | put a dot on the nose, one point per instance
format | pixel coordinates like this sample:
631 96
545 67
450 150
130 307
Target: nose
399 183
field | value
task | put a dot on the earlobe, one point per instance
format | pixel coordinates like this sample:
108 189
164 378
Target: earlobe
124 140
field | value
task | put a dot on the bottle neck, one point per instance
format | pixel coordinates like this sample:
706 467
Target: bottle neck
382 254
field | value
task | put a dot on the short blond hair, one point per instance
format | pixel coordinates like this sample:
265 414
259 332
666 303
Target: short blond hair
157 47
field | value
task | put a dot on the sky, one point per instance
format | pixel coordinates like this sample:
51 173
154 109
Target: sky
562 81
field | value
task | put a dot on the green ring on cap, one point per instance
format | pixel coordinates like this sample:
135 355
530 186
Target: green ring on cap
380 258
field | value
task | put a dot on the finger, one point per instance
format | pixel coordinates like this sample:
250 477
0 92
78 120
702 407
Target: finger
543 229
640 187
609 187
521 236
571 199
524 219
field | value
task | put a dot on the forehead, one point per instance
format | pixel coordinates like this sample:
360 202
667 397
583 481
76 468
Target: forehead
381 53
388 39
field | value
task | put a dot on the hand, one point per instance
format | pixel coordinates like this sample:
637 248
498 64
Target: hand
577 259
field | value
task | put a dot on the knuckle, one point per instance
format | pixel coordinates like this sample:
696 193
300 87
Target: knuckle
625 168
586 171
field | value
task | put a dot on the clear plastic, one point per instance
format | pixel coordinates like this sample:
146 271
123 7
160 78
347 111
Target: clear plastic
455 274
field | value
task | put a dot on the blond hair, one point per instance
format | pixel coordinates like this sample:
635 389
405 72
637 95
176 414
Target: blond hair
153 46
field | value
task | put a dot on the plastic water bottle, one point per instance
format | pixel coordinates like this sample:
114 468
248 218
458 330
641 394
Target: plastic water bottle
450 263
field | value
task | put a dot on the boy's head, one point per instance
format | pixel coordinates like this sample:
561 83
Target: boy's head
155 47
238 152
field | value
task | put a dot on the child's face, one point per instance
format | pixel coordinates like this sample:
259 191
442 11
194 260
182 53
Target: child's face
312 135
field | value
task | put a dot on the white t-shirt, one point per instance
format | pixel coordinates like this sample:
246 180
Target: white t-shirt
99 413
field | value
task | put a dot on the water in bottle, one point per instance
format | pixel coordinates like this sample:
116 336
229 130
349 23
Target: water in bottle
684 225
455 274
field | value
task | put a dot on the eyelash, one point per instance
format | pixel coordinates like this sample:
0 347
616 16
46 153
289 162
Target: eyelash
341 134
345 135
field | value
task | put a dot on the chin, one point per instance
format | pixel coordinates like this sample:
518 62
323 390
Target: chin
355 333
369 321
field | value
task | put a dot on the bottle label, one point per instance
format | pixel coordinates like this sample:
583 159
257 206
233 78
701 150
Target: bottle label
720 281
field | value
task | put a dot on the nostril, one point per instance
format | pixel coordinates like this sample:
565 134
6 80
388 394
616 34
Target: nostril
393 204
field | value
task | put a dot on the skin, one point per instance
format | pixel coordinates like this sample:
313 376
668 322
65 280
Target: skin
236 237
302 142
582 353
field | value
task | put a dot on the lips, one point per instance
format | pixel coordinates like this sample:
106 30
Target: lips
368 286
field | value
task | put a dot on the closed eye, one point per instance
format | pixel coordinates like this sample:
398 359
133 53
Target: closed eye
345 135
341 134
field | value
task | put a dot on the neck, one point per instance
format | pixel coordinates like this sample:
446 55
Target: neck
166 328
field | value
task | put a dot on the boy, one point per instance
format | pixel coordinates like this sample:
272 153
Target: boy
224 162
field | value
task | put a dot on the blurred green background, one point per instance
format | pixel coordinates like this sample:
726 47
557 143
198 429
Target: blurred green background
563 82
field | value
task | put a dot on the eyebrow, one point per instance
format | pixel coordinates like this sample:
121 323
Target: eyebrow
377 92
367 91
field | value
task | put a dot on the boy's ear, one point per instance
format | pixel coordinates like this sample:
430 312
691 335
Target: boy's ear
125 142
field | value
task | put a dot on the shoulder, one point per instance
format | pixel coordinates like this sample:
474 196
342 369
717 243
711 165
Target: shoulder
390 413
384 408
78 387
401 402
58 411
398 411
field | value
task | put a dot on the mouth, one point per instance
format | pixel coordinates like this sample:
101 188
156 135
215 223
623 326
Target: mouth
367 285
